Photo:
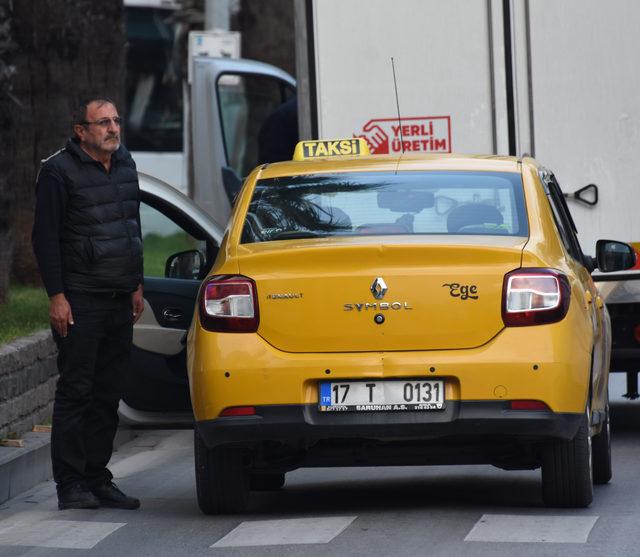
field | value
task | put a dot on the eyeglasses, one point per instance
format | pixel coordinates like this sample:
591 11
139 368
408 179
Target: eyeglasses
104 122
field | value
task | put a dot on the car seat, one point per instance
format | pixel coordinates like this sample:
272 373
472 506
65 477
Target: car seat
334 217
475 218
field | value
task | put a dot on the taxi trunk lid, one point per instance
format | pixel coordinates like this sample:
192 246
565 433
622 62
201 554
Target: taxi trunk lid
444 292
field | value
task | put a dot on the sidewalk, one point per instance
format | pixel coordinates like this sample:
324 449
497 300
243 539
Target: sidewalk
22 468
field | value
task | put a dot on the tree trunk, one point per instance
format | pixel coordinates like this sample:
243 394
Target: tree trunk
66 52
7 107
267 32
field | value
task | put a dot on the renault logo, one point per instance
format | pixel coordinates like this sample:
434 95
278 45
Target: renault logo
379 288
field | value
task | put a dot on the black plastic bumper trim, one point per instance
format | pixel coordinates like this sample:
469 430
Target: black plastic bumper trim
459 419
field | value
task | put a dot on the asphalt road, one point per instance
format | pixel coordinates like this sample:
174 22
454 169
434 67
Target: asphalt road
435 511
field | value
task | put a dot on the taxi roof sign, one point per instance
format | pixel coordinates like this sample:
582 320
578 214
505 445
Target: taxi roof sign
355 146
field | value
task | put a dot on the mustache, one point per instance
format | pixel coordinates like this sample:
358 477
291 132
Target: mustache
113 136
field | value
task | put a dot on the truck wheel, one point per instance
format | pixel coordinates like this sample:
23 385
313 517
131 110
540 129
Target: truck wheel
222 481
567 479
266 482
601 444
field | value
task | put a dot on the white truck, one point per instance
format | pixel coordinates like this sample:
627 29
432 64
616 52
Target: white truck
229 100
556 80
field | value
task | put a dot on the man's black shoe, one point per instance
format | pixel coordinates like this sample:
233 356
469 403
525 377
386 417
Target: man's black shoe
76 496
110 496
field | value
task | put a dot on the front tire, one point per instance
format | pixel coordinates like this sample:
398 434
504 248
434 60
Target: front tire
567 478
222 480
601 444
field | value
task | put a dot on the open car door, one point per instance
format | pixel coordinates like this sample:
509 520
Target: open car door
174 231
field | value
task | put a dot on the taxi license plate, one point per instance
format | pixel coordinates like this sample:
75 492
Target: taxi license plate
381 396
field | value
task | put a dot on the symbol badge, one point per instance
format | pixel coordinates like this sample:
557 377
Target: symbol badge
379 288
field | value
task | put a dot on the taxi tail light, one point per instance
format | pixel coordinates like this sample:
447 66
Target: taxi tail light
636 333
229 303
527 405
534 297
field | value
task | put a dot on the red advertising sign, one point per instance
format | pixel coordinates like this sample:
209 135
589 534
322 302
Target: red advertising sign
427 134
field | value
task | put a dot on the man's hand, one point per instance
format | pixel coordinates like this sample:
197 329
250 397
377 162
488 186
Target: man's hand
60 314
137 303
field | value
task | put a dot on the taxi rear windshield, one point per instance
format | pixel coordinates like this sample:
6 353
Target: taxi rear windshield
369 204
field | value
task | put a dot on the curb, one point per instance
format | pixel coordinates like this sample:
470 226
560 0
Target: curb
22 468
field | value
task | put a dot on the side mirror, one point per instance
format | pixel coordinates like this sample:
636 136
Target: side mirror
184 265
614 256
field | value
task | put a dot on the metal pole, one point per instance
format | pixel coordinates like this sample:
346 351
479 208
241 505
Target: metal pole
217 14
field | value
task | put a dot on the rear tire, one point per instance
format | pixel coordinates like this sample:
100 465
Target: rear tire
267 482
601 446
222 481
567 479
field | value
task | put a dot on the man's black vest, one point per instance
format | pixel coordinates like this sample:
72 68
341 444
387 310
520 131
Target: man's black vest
101 248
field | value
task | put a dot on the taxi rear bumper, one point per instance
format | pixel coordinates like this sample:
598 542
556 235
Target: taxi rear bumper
305 424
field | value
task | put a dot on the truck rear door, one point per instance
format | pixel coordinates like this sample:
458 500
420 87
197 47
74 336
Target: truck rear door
231 99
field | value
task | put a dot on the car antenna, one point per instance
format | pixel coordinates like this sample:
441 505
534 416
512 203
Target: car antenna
395 84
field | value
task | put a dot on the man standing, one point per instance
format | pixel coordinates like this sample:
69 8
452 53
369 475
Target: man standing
87 241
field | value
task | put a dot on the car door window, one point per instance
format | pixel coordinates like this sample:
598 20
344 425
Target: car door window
161 238
246 101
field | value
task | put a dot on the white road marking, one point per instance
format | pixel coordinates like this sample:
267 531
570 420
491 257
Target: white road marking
283 532
28 529
140 462
531 528
125 465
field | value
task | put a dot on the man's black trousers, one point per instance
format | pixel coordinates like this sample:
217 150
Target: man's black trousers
92 360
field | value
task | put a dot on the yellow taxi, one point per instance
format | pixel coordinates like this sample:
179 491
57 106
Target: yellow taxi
411 310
